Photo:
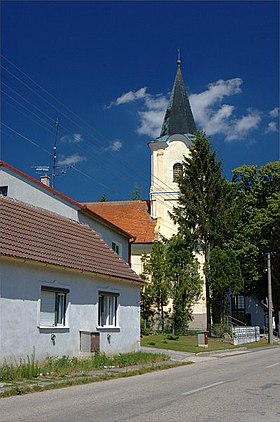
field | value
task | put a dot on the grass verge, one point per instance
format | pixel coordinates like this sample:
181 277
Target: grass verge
189 343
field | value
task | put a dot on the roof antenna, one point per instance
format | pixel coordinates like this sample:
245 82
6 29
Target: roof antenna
179 57
54 153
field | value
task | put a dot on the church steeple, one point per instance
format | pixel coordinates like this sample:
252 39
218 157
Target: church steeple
178 117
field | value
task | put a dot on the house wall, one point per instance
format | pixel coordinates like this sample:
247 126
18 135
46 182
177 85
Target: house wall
108 235
23 190
20 331
138 250
20 189
254 307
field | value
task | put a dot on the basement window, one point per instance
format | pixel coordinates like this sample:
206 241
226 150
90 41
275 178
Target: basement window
53 307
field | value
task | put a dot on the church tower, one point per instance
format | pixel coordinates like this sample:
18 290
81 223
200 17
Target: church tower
167 155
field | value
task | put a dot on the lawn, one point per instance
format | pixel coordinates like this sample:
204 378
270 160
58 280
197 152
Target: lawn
189 343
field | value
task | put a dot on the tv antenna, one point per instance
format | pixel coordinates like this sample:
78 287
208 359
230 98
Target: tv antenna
54 153
44 170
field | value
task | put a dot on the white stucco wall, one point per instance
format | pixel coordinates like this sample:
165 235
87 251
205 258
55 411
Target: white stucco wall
20 292
107 234
20 189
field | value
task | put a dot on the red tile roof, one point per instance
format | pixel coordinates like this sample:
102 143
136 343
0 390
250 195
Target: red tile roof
35 234
131 216
60 195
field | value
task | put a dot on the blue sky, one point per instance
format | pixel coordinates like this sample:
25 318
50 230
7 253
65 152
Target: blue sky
106 69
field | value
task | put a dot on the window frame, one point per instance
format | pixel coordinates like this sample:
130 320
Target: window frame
117 247
177 173
108 304
4 190
59 311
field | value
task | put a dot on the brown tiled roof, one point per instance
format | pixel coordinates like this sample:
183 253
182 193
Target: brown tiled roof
131 216
78 205
34 234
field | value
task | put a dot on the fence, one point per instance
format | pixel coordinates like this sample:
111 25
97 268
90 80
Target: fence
243 335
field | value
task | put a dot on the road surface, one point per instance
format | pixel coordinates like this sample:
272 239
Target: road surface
243 387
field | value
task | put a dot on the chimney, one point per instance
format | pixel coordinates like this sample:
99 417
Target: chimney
45 180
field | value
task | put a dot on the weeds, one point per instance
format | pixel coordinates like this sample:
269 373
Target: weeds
54 367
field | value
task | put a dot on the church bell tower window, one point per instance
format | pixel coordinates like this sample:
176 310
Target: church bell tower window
177 171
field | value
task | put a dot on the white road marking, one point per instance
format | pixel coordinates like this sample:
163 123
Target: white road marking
206 387
274 364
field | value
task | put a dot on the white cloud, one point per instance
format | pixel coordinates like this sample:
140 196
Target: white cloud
70 160
210 113
76 138
151 119
275 112
129 97
272 127
240 128
114 146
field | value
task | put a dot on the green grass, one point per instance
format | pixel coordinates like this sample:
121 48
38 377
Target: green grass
65 366
189 343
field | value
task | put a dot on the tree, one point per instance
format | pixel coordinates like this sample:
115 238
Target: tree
136 193
205 208
185 282
224 276
257 192
103 198
156 294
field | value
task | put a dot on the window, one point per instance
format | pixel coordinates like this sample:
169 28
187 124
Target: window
117 248
177 171
4 190
53 307
107 309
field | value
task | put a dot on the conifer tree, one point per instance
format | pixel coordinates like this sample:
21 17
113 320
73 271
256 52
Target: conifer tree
204 211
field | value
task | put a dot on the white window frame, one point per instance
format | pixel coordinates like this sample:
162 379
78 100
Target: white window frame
108 309
117 247
53 307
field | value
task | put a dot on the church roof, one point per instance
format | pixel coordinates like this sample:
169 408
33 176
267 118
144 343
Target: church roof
178 117
131 216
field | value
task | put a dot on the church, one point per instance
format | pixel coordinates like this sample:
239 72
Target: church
149 220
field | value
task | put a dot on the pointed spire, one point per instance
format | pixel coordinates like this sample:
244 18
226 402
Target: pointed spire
178 117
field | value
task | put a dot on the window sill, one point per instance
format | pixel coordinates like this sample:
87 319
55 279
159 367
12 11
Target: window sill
108 328
57 329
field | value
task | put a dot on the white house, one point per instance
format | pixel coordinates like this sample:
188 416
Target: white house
15 184
63 291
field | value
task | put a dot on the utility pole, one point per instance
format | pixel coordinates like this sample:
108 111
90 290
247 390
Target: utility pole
54 153
269 288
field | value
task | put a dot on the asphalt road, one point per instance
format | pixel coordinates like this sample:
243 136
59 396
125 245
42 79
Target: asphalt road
242 387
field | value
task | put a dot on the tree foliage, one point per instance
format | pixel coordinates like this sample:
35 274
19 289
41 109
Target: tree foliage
156 294
185 282
205 201
205 210
224 276
257 232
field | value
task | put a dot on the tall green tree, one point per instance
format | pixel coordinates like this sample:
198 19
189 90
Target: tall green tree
205 208
224 276
184 280
257 232
156 294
